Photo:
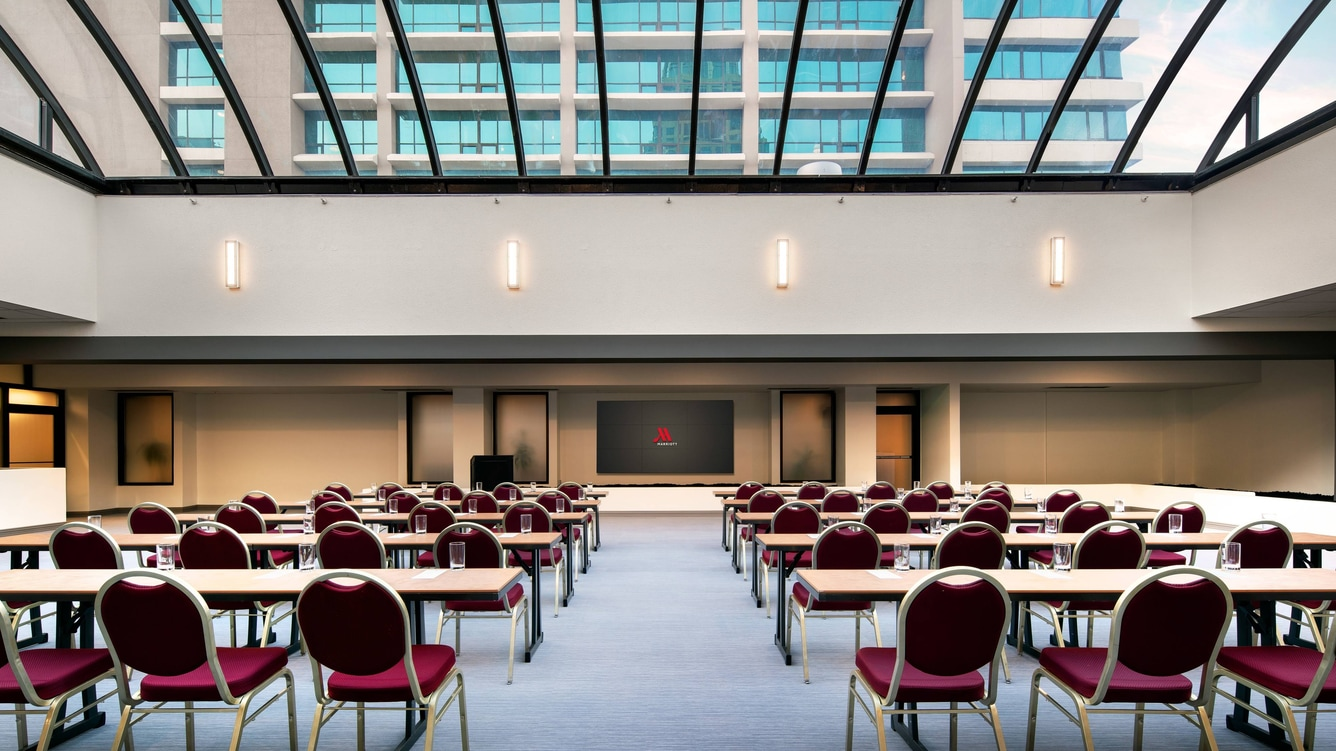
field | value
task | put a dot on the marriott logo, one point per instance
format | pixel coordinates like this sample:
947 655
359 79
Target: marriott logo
664 438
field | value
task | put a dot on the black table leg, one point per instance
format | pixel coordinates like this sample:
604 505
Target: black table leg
37 635
535 604
782 608
723 529
1237 720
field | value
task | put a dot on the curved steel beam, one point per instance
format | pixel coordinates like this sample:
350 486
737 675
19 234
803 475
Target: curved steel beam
799 21
892 52
1302 129
53 164
39 87
976 83
1171 70
507 80
1259 81
698 44
321 85
132 85
201 36
1073 78
415 84
601 63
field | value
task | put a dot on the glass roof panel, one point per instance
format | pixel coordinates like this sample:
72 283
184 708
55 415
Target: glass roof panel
19 105
1211 81
533 42
1305 81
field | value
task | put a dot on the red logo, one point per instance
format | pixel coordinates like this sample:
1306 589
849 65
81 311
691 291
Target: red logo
664 436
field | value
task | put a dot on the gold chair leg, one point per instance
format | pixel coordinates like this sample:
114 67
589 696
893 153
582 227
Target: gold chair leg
315 727
1084 719
1138 724
849 718
361 726
955 721
463 715
997 727
1033 716
22 721
190 726
802 625
123 731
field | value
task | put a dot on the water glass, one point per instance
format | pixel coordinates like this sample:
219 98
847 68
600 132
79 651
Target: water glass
456 555
561 505
526 523
862 486
420 524
306 556
95 520
1029 494
392 505
1231 556
1175 523
310 505
166 556
1062 556
1119 506
423 488
955 505
935 524
473 505
901 556
380 492
968 487
1050 524
477 486
899 494
1042 505
533 486
917 484
308 524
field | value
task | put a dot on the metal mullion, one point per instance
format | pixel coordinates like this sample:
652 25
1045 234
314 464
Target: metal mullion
1171 71
39 87
795 47
26 151
132 84
1297 131
507 80
230 92
1073 78
892 52
307 50
601 63
414 83
1268 69
977 81
699 43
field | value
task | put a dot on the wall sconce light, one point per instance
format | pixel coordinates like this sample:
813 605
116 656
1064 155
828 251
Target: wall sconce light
1057 261
232 277
513 264
782 259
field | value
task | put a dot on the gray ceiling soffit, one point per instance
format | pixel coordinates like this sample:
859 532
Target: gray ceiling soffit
674 348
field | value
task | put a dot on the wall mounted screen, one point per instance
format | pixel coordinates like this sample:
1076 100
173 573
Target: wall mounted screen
665 437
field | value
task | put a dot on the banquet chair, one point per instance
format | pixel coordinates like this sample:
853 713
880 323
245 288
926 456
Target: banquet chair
439 516
942 489
762 502
570 534
482 549
744 493
1194 520
507 491
175 658
404 500
349 545
357 626
77 545
1077 519
989 512
576 492
997 484
326 496
847 545
549 558
881 491
1145 662
47 679
839 501
1263 544
1056 502
342 490
793 518
337 511
487 503
263 503
383 490
887 518
938 658
999 494
150 518
213 545
447 491
921 501
976 544
811 491
244 519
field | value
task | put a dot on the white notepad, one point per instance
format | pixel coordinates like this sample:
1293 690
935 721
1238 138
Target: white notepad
430 573
882 573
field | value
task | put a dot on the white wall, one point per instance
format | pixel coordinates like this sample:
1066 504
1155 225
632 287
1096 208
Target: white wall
31 498
48 259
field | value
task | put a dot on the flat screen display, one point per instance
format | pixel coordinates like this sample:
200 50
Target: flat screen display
665 437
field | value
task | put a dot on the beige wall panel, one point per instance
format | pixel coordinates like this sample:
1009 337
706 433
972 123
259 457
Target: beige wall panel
1104 437
1002 437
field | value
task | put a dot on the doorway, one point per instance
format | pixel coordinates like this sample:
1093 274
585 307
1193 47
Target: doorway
898 437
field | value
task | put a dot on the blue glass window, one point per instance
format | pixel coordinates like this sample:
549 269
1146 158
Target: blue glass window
1036 8
358 125
660 71
659 15
661 132
472 15
212 169
779 15
208 11
479 72
347 71
1078 123
481 132
196 126
829 69
1043 62
187 65
340 15
842 131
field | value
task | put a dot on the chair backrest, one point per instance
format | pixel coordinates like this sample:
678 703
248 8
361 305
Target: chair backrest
327 496
942 490
920 500
342 490
748 489
765 502
974 544
542 521
439 516
548 500
405 498
1083 516
989 512
1200 610
811 491
486 501
1263 544
81 545
240 517
209 545
935 639
447 491
349 545
1110 545
150 518
839 501
881 491
1060 500
1194 517
356 624
573 490
847 545
482 549
999 494
997 484
796 518
507 491
384 489
11 656
887 518
335 512
260 501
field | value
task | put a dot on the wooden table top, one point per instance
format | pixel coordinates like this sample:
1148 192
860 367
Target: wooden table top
1018 541
299 506
271 541
380 517
1021 517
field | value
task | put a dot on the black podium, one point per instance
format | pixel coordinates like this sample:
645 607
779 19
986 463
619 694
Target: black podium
491 470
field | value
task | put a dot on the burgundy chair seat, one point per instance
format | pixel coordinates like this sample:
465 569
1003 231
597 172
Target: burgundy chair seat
545 556
426 560
761 529
1029 529
1080 668
804 559
432 662
53 672
804 597
1043 557
244 668
1315 605
877 664
1288 671
888 559
1165 558
151 561
16 604
281 557
513 597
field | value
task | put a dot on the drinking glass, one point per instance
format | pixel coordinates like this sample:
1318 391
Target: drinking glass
456 555
473 505
968 487
561 505
477 486
589 491
310 506
1062 556
306 556
935 524
1050 524
166 556
420 524
393 505
901 556
95 520
1231 555
862 486
1042 505
533 486
1175 523
526 523
1119 506
955 505
917 484
1029 494
380 492
423 488
899 494
308 524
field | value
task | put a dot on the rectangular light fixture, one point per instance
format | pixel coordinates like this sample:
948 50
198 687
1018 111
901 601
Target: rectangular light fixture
1058 260
233 273
782 259
513 264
